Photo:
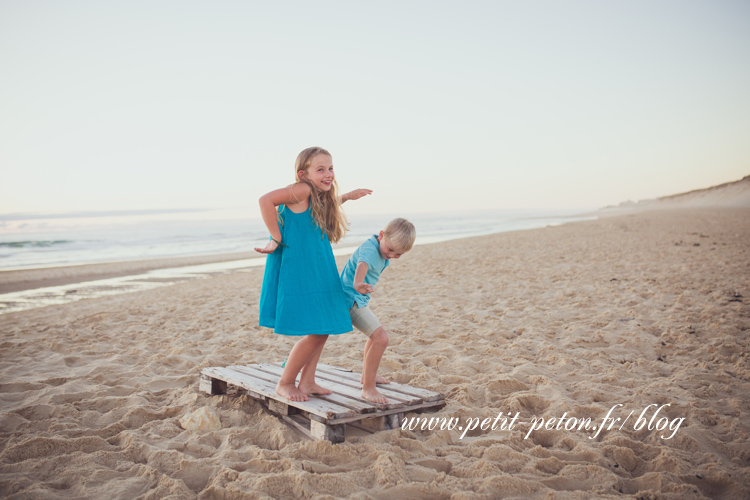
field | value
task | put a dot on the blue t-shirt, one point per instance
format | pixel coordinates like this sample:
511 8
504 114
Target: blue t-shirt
369 253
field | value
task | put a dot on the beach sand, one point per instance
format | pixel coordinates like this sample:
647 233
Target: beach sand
636 310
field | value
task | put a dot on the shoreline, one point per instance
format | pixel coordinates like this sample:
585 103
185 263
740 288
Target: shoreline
27 279
19 280
436 229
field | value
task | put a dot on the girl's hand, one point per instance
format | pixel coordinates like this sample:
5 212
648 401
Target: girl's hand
356 194
363 288
270 247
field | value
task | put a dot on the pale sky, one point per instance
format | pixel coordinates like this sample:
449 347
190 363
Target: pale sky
434 105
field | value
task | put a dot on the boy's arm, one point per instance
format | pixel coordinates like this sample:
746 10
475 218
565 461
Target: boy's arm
354 195
359 279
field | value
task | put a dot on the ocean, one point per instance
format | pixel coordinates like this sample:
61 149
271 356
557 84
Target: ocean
60 241
28 243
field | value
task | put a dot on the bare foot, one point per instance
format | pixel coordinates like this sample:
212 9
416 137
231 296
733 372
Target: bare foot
290 392
373 396
378 380
313 389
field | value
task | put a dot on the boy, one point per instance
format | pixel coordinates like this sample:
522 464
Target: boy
360 274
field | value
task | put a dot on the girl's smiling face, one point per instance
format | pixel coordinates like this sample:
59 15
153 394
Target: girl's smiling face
319 173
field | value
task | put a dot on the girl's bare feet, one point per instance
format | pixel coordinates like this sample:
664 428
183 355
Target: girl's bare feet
291 392
313 389
373 396
378 380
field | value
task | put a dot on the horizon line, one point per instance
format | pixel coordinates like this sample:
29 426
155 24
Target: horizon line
94 213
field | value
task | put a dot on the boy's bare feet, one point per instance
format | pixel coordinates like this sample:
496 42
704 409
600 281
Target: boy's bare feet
373 396
313 389
378 380
290 392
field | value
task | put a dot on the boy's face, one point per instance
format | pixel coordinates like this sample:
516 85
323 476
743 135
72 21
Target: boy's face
387 249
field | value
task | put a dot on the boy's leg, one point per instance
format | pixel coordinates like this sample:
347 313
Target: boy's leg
378 378
373 355
300 355
307 377
366 322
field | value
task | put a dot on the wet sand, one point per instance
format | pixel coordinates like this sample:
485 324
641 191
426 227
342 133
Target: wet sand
28 279
635 310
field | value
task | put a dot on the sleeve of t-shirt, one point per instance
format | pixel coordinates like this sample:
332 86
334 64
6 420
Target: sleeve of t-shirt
369 256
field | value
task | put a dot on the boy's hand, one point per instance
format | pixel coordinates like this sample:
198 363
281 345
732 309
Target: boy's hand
357 194
363 288
270 247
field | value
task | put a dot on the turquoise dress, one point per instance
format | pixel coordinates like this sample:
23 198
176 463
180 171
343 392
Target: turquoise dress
302 292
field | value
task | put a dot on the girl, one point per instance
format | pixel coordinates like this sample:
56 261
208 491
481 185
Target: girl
302 293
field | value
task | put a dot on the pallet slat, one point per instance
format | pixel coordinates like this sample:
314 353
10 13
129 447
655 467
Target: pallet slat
345 388
404 389
395 399
268 389
261 371
356 404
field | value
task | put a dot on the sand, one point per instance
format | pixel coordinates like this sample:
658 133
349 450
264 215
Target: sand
636 310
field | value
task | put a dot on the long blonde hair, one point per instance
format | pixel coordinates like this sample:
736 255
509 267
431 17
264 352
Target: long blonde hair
326 209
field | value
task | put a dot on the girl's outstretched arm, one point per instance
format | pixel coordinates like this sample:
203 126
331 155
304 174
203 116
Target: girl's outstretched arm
355 195
289 196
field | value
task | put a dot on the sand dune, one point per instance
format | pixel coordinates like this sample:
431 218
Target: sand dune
636 310
728 195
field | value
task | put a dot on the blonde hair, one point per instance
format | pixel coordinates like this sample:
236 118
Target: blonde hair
325 205
401 233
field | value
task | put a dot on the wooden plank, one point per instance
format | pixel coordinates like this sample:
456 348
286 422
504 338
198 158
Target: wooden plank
353 389
394 420
212 386
383 422
270 372
206 384
429 404
354 403
304 430
340 406
404 389
395 399
340 387
281 408
267 389
332 433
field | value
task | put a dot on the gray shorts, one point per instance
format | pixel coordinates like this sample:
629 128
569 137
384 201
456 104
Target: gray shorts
364 319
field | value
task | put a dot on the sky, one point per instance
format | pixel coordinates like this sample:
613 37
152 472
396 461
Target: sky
435 105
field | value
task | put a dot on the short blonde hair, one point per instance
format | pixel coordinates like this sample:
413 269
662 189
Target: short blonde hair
401 233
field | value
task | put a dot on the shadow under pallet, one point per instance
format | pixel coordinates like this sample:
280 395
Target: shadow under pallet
324 417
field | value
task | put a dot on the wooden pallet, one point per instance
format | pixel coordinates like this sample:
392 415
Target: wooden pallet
327 415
